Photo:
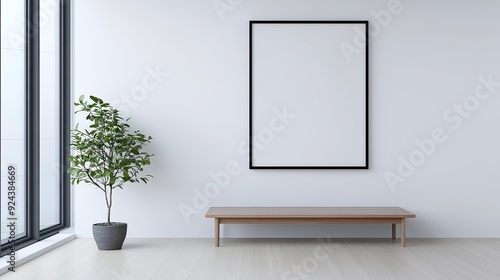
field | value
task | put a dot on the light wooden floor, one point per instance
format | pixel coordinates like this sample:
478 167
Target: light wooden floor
260 259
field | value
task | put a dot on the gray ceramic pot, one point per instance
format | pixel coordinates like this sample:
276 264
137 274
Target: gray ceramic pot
109 237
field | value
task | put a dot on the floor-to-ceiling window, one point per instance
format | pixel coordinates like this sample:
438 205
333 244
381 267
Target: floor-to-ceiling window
49 117
35 96
13 116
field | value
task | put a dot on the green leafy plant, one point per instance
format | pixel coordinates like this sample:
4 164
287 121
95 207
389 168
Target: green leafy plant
107 154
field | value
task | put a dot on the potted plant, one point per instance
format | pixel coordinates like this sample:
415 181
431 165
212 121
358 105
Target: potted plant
107 155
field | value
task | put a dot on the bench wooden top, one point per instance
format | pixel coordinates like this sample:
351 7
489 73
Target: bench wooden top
308 212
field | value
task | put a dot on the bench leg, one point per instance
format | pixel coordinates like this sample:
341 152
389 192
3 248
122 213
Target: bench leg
216 239
393 232
403 232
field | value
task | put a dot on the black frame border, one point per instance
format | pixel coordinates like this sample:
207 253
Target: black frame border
366 23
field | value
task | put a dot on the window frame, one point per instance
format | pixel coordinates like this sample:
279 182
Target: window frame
32 124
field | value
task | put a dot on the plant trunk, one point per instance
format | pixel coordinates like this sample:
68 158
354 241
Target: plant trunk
109 201
109 215
110 204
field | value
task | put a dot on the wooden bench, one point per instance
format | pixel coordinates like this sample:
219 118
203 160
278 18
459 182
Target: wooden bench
310 215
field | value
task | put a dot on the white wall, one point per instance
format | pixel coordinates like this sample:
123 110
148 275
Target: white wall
426 59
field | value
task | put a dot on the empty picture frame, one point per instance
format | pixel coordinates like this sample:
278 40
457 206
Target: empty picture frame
308 95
